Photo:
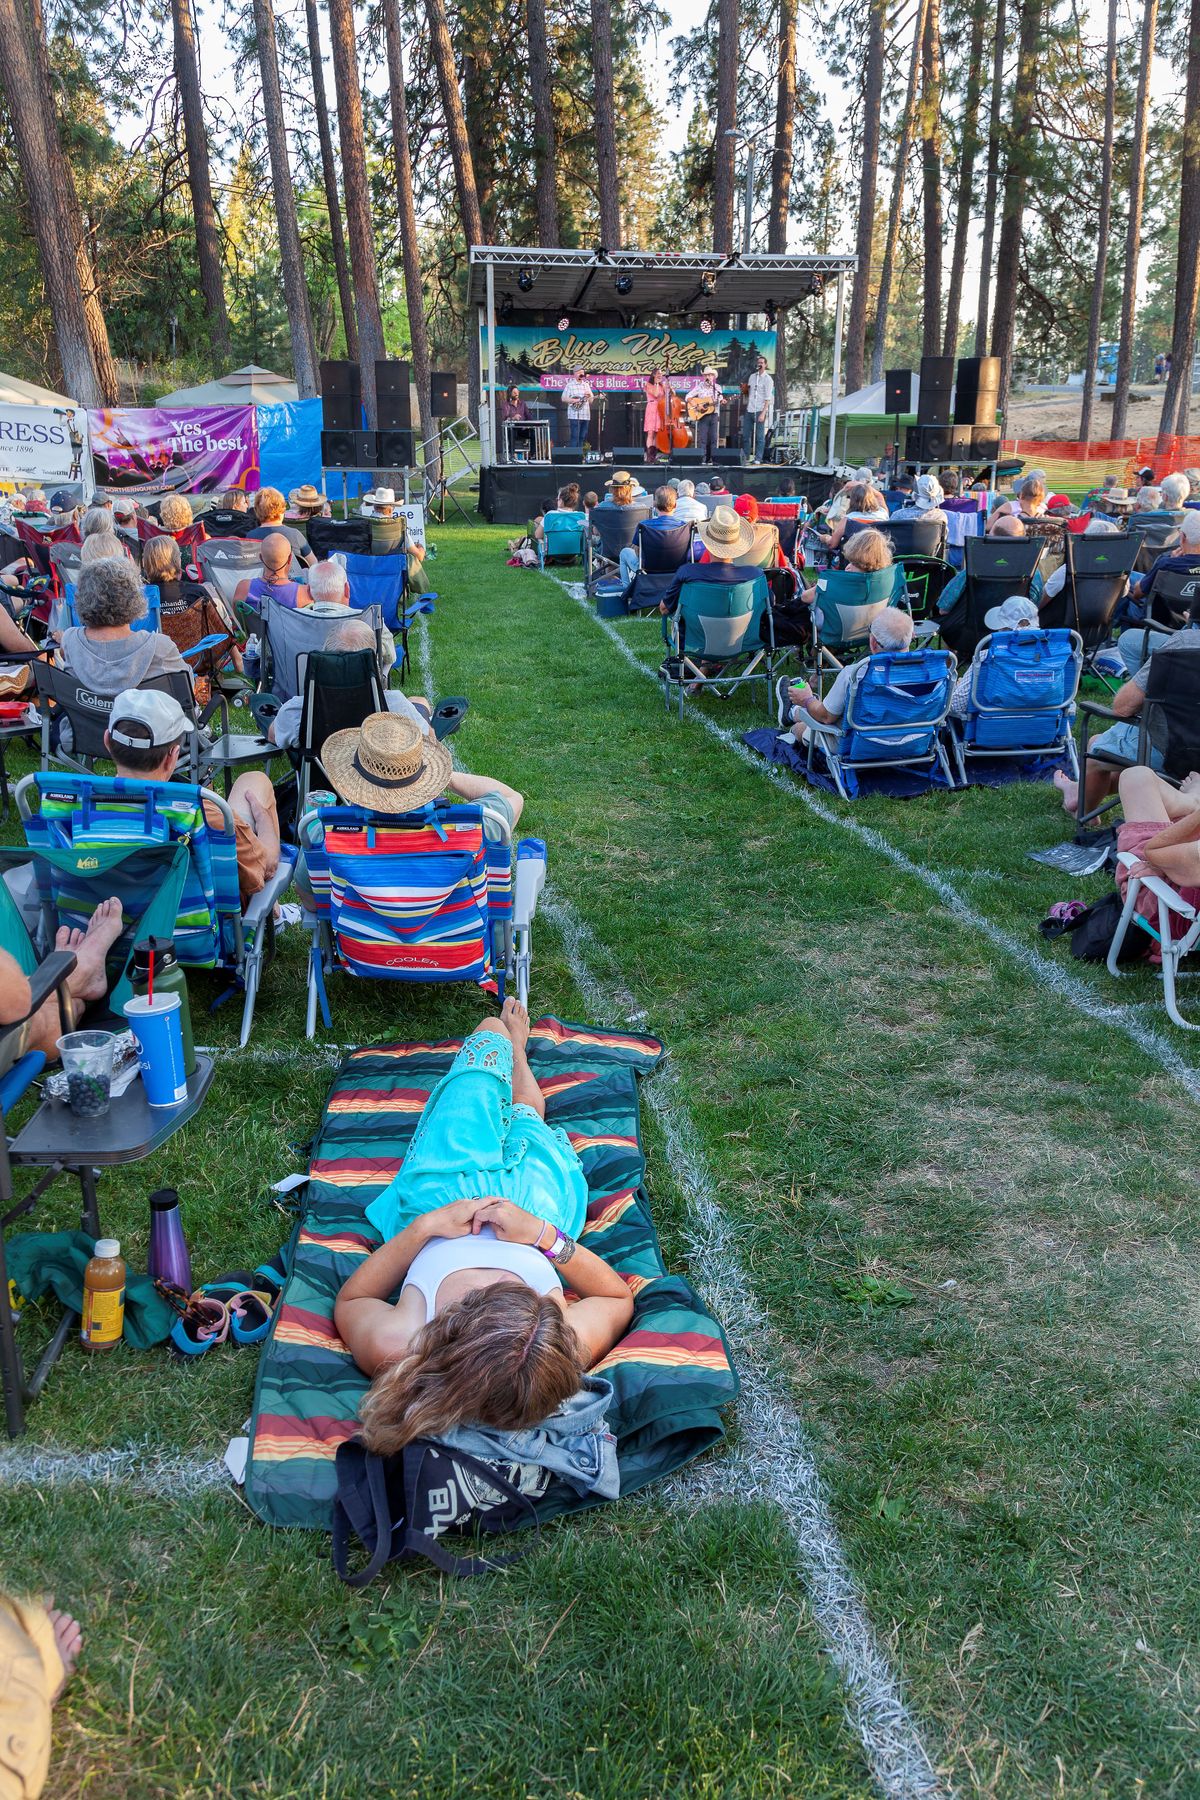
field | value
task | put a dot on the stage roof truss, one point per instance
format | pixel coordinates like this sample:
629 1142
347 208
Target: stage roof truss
666 282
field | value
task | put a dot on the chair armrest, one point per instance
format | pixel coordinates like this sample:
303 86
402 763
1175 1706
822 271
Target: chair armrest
49 976
1158 886
529 876
1096 710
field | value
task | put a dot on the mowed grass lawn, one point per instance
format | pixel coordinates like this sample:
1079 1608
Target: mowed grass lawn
880 1089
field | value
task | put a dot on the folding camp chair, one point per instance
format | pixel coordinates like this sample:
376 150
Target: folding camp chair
418 897
290 633
61 696
726 624
227 562
1169 722
340 689
1171 910
894 719
191 893
66 613
917 537
843 607
66 561
379 581
996 568
326 537
562 537
1173 596
1153 535
1022 698
662 552
1097 576
612 530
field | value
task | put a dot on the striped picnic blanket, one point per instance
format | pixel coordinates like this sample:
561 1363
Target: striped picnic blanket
671 1373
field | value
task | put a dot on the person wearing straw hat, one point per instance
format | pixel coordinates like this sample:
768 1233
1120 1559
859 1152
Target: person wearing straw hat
728 541
704 409
306 502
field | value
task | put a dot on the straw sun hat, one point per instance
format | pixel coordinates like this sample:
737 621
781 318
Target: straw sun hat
725 536
389 765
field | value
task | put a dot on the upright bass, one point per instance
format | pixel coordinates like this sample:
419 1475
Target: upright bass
674 434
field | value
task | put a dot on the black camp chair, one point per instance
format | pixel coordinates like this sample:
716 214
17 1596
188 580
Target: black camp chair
340 689
916 537
351 536
1172 596
1169 722
62 695
662 552
612 530
996 568
1097 575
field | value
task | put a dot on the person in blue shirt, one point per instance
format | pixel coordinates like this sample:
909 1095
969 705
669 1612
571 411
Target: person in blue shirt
663 517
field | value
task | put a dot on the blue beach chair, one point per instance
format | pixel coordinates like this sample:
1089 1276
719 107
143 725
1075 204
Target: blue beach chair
1022 699
150 843
380 581
894 719
417 897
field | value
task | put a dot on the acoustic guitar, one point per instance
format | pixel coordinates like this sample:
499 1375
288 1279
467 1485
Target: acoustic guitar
699 406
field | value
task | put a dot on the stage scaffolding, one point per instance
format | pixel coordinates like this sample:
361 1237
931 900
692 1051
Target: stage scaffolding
579 284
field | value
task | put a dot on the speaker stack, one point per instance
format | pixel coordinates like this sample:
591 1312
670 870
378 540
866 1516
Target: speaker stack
967 432
976 393
396 448
344 444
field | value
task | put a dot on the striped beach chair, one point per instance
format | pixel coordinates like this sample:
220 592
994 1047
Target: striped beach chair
92 827
417 897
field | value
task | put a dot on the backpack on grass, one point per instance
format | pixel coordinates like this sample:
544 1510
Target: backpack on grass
1093 931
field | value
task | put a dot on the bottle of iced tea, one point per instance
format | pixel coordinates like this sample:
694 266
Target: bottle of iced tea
103 1297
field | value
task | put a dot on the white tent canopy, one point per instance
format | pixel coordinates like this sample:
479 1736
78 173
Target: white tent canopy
872 400
15 392
250 386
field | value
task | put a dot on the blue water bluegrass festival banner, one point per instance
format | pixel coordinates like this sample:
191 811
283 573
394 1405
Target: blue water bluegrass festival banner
616 360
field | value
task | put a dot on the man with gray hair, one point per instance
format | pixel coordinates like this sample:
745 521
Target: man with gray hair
329 586
1176 491
1183 557
799 709
686 504
354 634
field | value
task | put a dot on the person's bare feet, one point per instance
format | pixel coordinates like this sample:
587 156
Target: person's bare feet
515 1020
1068 789
69 1639
91 947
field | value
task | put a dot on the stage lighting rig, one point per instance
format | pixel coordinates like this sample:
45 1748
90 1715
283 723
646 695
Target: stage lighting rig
706 323
624 284
564 324
525 279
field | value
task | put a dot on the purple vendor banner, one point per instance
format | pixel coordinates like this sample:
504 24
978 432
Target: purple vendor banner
164 450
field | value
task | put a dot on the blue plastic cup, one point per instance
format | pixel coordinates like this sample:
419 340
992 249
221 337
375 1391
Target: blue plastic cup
158 1029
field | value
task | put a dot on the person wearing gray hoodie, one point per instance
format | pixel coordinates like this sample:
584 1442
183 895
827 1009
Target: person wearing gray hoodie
104 652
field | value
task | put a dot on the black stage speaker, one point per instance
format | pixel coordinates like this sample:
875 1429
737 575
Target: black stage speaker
691 457
341 397
897 387
933 402
392 397
939 443
566 453
624 454
985 443
443 395
396 448
348 449
728 457
977 390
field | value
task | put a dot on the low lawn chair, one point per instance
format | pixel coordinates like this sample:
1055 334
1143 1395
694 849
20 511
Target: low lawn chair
894 719
1097 576
326 537
379 581
996 568
562 537
726 624
420 897
1175 928
662 551
1169 722
150 843
843 607
1022 699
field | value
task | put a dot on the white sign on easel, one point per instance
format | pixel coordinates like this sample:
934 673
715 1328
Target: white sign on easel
414 518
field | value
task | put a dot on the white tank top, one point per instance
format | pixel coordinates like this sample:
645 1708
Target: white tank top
443 1256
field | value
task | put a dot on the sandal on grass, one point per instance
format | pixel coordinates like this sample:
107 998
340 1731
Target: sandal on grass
202 1321
249 1316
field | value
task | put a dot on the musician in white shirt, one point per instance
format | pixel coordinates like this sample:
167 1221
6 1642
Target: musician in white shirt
759 409
578 397
708 431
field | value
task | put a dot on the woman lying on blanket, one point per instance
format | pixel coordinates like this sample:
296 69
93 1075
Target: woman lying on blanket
477 1225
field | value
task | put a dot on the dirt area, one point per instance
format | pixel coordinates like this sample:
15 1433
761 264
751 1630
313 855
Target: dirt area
1057 415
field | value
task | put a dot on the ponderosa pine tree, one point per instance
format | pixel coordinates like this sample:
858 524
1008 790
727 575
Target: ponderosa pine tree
1019 158
406 212
1133 227
347 81
868 186
968 151
329 179
725 147
1177 399
992 185
903 146
195 138
291 261
608 193
541 94
782 155
931 179
1096 314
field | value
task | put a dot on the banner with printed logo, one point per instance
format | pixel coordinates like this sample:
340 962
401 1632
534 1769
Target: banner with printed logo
615 360
185 449
46 447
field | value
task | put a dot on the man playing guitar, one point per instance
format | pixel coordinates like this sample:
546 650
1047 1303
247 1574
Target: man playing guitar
704 411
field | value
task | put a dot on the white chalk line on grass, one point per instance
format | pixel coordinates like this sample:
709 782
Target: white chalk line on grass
773 1461
1046 972
163 1474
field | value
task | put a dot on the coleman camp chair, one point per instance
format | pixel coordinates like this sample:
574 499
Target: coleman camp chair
719 637
916 537
1022 699
894 719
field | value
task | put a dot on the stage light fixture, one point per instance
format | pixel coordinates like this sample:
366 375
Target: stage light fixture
818 286
505 308
624 284
706 323
564 324
708 282
525 279
769 311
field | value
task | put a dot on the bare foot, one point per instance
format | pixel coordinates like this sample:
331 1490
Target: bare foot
91 947
515 1019
1068 789
69 1640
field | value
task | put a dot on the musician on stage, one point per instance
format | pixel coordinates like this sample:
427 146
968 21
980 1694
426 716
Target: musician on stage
578 397
760 404
654 392
704 412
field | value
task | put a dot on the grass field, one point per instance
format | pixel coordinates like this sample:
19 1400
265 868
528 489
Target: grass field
957 1178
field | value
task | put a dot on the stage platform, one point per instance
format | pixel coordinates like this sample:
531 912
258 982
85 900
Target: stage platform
512 493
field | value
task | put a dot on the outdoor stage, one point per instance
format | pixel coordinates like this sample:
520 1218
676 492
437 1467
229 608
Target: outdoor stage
512 493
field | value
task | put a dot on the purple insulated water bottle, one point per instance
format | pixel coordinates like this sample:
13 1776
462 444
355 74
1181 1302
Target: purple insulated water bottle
168 1259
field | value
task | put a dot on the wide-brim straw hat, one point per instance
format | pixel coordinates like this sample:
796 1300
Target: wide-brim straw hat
307 495
388 765
725 536
709 369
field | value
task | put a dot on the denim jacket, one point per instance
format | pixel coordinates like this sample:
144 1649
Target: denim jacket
574 1443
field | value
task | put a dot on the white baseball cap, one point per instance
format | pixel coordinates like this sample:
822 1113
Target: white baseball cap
144 719
1014 614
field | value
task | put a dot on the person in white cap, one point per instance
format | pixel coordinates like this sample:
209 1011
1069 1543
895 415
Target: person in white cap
1017 613
704 411
145 736
925 503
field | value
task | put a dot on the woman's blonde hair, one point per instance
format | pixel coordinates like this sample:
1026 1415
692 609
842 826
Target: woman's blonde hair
868 550
100 546
176 513
161 560
501 1356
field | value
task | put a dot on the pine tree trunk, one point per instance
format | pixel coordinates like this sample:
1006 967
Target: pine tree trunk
542 97
208 249
1096 315
893 226
72 214
36 154
456 125
781 173
983 306
333 199
1133 228
931 180
725 148
1177 399
1016 178
406 210
347 83
295 290
608 192
868 188
968 151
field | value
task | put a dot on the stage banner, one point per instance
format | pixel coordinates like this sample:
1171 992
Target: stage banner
161 450
617 360
46 445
